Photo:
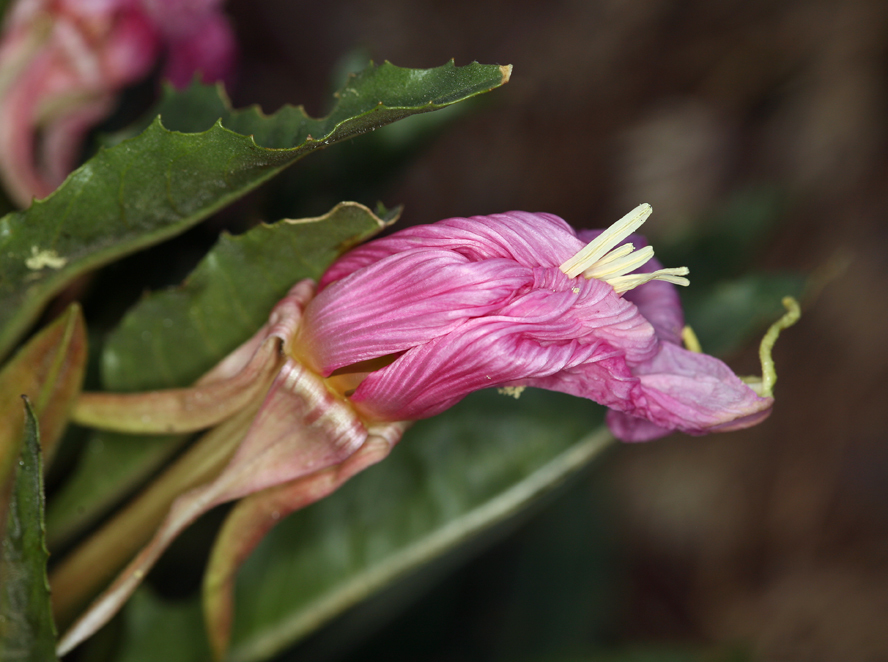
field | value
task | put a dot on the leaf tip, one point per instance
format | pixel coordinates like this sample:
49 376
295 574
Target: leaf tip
506 71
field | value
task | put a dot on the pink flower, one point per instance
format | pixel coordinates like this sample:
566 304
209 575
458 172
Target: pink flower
401 329
62 63
412 323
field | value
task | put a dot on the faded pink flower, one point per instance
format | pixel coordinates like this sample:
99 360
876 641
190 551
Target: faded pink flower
412 323
62 63
403 328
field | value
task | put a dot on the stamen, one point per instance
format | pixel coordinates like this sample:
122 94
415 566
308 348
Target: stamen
673 275
615 254
607 267
598 247
689 338
512 391
597 259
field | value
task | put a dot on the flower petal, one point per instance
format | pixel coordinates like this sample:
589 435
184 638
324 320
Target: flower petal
691 392
532 240
535 338
400 301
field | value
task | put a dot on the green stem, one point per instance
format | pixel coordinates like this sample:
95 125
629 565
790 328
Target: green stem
769 372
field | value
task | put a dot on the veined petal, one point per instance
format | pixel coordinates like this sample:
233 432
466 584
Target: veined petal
532 240
401 301
538 335
691 392
607 380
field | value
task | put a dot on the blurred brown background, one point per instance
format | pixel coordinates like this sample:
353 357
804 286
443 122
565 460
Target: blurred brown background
776 537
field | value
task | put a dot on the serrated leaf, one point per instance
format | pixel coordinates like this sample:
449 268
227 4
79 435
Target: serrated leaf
27 631
450 478
158 184
172 337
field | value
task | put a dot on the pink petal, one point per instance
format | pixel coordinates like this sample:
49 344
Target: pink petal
406 299
537 337
532 240
691 392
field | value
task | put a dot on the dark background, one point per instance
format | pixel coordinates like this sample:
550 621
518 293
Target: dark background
771 542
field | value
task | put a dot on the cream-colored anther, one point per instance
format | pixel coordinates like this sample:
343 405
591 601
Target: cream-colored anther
599 259
599 247
607 267
672 275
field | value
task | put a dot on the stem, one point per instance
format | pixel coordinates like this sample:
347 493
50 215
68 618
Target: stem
181 409
97 560
769 372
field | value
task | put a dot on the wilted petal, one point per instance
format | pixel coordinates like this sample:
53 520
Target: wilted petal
427 293
691 392
531 240
397 303
588 324
539 334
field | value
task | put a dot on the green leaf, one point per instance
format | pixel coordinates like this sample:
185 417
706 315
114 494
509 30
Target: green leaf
159 183
450 478
181 623
27 631
171 337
